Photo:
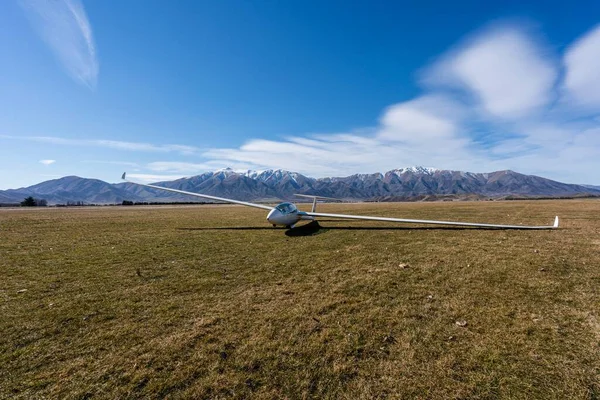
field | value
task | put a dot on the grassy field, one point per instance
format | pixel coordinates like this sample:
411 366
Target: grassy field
212 302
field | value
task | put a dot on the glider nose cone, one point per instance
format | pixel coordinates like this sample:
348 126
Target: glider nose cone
274 216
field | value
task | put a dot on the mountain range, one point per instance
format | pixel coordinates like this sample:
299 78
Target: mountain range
398 184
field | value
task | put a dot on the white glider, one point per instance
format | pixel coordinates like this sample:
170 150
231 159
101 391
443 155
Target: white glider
287 214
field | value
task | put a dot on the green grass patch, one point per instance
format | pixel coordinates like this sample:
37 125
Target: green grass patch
211 302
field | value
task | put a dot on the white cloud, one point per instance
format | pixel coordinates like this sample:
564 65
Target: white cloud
421 120
64 26
154 178
122 163
423 130
319 155
47 162
198 168
504 68
113 144
338 155
134 146
175 166
582 64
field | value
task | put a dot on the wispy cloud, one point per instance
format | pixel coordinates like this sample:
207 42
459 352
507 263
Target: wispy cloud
121 163
197 168
47 162
337 155
582 64
112 144
64 26
421 120
175 166
134 146
154 177
504 68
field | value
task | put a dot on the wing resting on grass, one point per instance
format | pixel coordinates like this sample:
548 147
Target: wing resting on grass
205 196
425 221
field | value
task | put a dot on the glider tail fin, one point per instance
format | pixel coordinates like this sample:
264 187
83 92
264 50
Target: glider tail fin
315 198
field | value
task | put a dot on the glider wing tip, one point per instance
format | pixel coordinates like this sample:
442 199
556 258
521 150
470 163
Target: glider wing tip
555 222
123 176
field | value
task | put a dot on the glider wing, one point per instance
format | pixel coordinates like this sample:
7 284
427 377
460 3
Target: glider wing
205 196
424 221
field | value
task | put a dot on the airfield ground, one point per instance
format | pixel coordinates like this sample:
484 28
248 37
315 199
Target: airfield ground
211 302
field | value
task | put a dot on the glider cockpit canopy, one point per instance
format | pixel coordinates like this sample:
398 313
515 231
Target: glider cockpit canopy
286 208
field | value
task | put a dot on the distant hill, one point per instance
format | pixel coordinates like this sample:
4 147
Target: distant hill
70 189
592 187
398 184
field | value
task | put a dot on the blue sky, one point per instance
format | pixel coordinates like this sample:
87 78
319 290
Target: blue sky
168 89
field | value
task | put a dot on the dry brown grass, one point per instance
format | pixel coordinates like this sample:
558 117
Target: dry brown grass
211 302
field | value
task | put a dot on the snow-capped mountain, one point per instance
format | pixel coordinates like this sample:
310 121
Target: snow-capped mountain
272 184
414 170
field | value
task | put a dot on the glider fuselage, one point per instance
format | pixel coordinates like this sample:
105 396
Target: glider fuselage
286 214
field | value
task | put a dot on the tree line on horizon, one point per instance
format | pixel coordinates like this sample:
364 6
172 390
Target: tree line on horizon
30 201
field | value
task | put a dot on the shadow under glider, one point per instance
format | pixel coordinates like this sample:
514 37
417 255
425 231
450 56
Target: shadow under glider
288 215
